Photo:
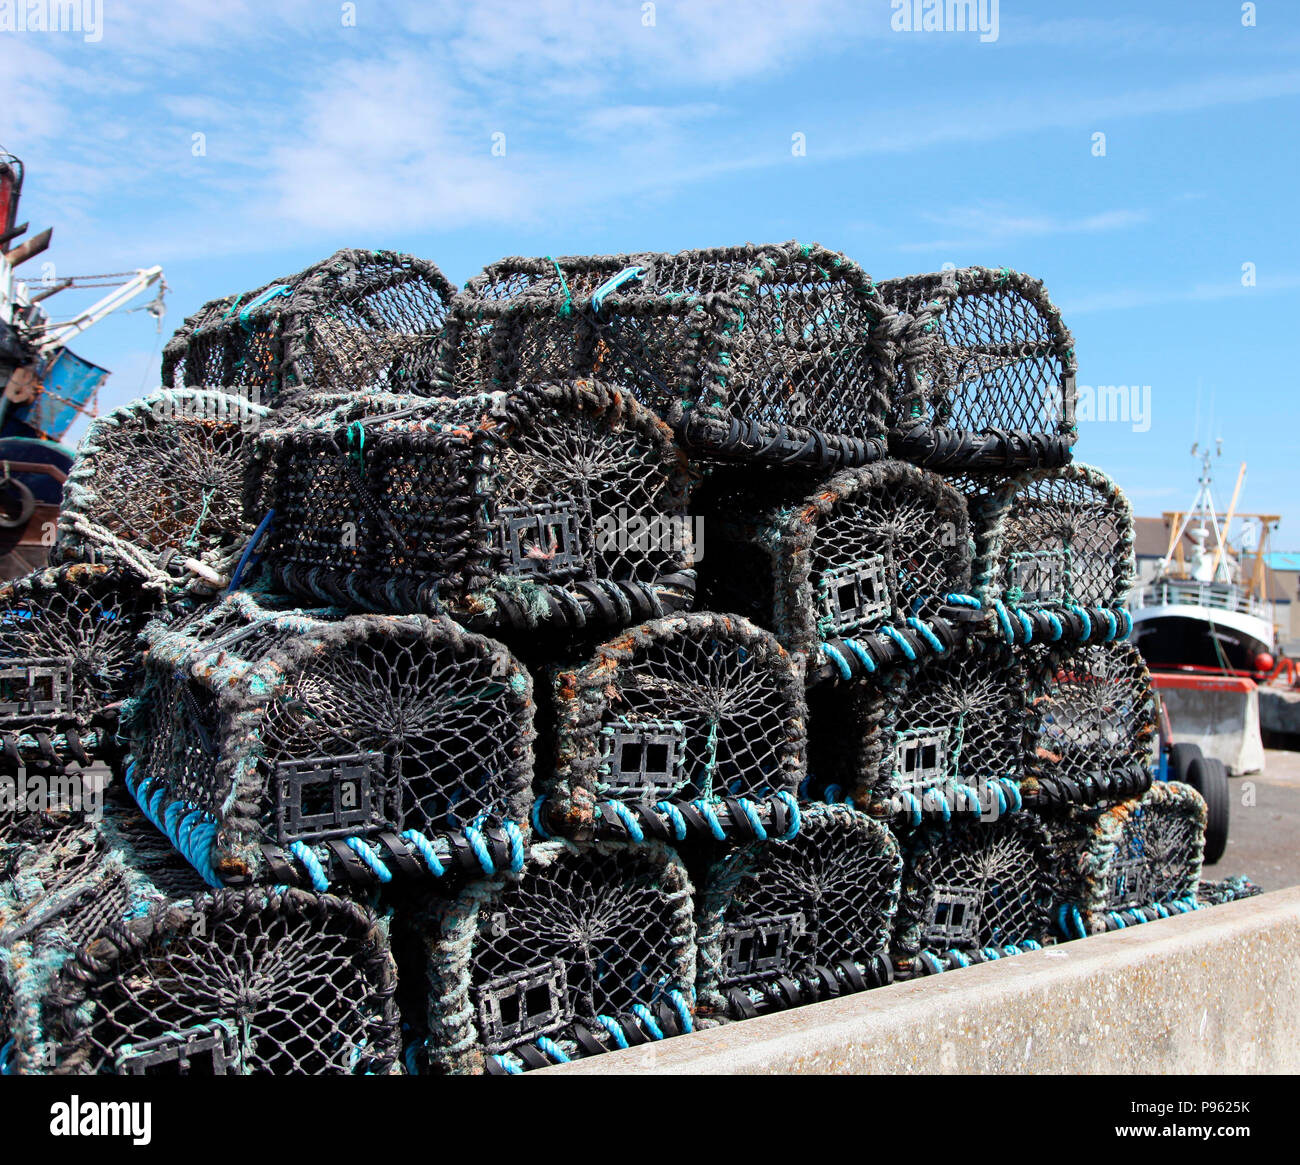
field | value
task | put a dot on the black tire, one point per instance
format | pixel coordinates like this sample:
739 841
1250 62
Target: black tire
1180 760
1209 778
17 504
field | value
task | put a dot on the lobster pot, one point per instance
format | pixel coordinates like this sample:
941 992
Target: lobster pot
675 722
798 921
358 320
109 975
1092 724
778 353
1132 863
1228 890
973 892
987 372
309 748
878 546
1056 545
951 737
558 505
582 951
68 655
163 473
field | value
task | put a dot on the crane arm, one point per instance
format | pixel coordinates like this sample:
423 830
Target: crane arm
58 335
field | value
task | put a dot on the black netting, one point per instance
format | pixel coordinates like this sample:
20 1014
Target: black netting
300 729
69 653
1227 890
579 935
782 919
971 886
1056 538
1092 723
563 503
231 984
824 559
360 320
987 372
1132 863
164 473
774 351
684 708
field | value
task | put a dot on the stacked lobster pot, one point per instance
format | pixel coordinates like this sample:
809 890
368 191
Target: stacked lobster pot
114 959
68 658
986 376
359 321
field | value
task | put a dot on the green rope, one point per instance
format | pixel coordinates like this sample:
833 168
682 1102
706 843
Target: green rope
193 540
357 437
567 309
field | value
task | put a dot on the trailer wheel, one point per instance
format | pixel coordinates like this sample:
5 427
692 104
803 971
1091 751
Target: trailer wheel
17 504
1209 778
1180 760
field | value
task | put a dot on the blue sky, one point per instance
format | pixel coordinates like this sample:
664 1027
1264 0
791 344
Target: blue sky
621 135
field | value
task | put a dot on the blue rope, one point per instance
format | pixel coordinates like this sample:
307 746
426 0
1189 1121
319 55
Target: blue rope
614 1030
480 848
897 637
613 283
516 837
751 814
311 863
1111 624
678 1000
711 818
911 806
961 600
237 577
796 818
1028 624
925 633
550 1048
536 818
846 672
864 656
1087 622
424 847
1004 622
937 798
642 1012
1057 629
669 810
512 1069
622 812
367 854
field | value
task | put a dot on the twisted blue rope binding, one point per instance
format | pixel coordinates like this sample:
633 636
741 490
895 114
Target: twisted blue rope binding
614 1029
711 819
367 854
864 656
424 847
515 835
841 664
960 600
751 815
511 1068
536 817
481 851
796 818
669 810
613 283
683 1009
925 633
311 863
624 815
1004 621
549 1047
903 644
1027 624
1111 624
1058 628
642 1012
1084 618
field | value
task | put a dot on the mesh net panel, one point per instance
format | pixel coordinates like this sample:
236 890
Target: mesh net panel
358 320
955 721
311 728
1157 854
972 885
844 555
69 646
783 908
480 502
777 335
1062 536
236 984
1092 713
680 708
578 935
162 473
988 350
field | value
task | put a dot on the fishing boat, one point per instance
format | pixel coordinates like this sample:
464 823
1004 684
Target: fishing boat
1204 624
45 387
